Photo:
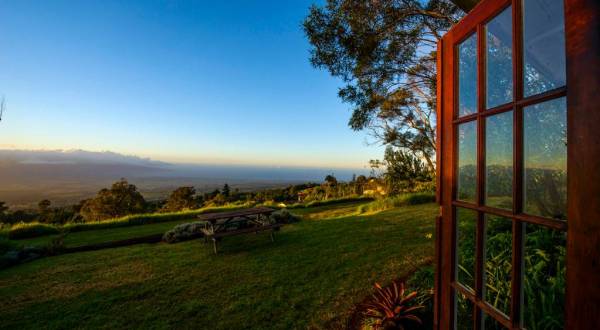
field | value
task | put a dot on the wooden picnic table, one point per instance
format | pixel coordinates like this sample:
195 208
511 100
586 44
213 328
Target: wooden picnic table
220 224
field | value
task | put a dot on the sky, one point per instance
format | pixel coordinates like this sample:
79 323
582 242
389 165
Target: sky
179 81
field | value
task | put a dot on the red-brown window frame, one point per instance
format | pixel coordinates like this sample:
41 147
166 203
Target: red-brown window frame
582 37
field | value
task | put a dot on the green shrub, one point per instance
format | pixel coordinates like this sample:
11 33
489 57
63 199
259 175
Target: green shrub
397 201
331 202
184 232
419 198
6 245
35 229
283 216
30 230
142 219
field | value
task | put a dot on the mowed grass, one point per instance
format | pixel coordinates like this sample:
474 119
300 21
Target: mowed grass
81 238
311 277
104 235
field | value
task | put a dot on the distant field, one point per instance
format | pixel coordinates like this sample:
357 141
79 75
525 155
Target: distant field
310 277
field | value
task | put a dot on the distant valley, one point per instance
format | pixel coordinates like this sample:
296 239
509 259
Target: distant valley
65 177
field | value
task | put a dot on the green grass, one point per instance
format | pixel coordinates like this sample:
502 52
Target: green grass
311 277
35 229
104 235
80 238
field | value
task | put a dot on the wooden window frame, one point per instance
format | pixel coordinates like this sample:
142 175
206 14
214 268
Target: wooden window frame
582 41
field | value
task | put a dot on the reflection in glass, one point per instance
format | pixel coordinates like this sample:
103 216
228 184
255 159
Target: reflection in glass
499 72
466 225
543 46
464 312
543 278
489 323
545 159
467 160
467 76
499 160
498 262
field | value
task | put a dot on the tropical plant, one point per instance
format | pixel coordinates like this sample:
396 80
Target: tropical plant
391 308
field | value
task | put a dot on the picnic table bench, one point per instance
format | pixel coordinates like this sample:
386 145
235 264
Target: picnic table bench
220 224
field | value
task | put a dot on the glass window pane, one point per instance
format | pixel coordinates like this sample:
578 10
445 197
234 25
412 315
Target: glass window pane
499 69
498 262
499 160
489 323
464 312
467 76
545 159
544 278
466 226
543 46
467 161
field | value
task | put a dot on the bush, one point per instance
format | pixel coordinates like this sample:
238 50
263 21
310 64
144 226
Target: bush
397 201
35 229
331 202
283 216
6 245
143 219
30 230
419 198
184 232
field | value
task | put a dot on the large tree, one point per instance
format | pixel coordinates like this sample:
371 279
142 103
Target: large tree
385 53
182 198
121 199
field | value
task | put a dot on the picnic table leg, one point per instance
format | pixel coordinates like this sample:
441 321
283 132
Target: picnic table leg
215 244
272 236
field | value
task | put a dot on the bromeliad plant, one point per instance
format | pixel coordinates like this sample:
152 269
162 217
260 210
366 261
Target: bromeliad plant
391 308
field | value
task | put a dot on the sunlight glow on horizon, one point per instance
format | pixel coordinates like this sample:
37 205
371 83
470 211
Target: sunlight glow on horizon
224 83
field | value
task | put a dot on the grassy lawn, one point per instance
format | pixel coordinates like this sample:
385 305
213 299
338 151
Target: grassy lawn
105 235
121 233
309 278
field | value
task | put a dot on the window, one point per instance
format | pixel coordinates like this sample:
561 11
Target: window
509 199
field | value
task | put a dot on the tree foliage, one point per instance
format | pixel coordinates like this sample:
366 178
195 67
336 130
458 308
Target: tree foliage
182 198
120 200
385 52
402 169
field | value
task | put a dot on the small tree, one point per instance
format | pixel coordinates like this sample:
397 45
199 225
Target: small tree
331 180
403 169
226 191
3 211
180 199
44 206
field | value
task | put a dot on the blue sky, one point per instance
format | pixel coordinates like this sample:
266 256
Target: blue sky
202 82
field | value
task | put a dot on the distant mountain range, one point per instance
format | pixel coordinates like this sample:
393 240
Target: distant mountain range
67 176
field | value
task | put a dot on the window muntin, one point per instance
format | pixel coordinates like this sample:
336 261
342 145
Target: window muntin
499 160
467 76
545 159
499 63
544 64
